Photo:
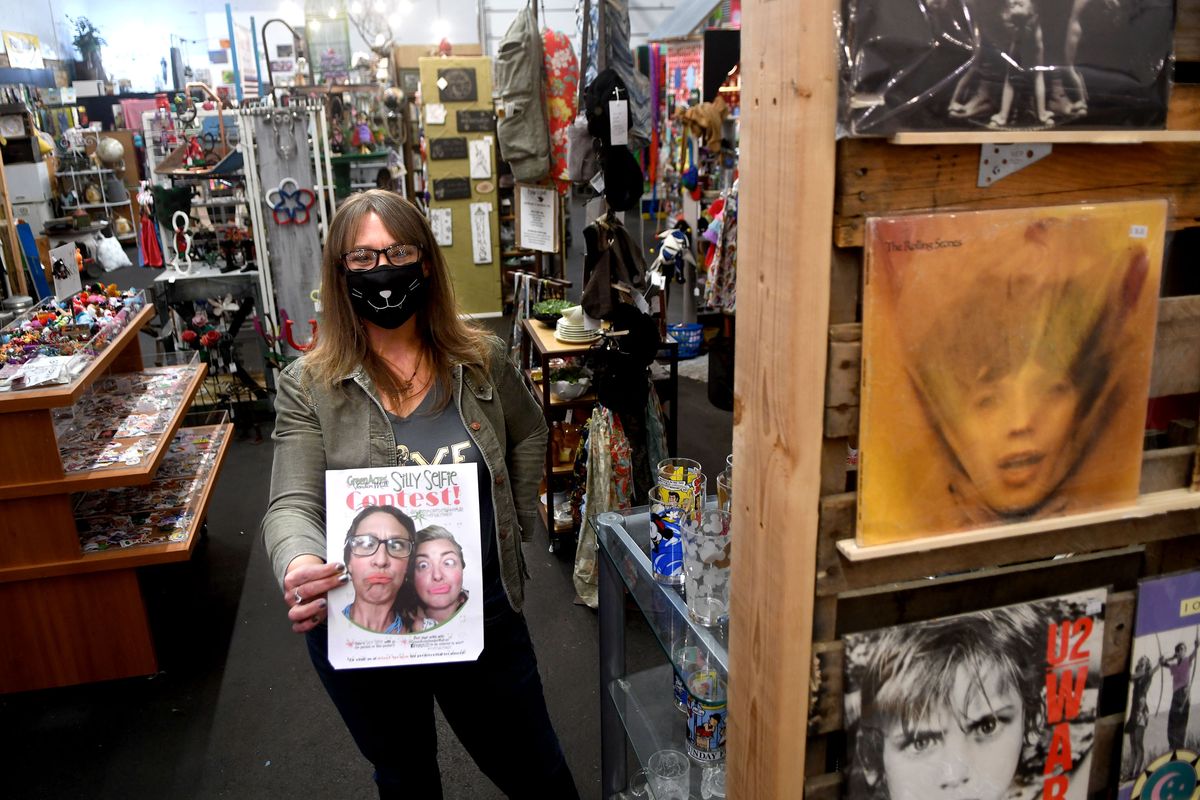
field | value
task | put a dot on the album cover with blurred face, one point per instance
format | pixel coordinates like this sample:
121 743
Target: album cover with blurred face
1006 365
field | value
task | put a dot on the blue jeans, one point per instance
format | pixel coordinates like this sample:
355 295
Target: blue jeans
494 705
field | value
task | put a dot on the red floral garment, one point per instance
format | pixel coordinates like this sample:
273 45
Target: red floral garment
562 97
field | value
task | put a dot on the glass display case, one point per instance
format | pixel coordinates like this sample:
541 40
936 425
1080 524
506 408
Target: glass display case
642 709
52 344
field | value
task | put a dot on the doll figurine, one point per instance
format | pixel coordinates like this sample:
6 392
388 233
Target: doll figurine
362 138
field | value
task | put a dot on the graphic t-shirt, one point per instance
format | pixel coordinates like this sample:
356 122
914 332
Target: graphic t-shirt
427 438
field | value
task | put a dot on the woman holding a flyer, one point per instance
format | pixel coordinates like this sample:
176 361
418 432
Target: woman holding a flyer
396 381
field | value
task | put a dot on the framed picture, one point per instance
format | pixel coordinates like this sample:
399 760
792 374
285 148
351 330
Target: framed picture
283 51
410 80
24 50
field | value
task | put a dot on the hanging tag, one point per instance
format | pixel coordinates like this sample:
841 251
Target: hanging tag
640 302
598 182
618 121
658 280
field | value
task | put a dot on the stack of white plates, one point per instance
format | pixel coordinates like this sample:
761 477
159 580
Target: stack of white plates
575 334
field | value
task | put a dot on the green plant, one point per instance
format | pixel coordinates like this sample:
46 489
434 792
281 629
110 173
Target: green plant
552 306
87 37
570 373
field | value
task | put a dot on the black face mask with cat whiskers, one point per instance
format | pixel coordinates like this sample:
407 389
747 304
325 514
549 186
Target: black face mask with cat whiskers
387 296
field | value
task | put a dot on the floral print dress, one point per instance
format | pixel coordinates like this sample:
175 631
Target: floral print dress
562 98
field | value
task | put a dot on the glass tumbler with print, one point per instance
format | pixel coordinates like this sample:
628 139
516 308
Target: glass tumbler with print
706 562
676 499
707 716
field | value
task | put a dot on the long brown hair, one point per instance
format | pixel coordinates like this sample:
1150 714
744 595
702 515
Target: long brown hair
342 343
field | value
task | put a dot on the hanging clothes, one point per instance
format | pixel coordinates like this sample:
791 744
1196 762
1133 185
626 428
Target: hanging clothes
609 487
562 100
611 257
521 131
151 251
720 290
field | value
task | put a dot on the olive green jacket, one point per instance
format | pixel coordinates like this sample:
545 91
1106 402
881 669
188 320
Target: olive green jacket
319 428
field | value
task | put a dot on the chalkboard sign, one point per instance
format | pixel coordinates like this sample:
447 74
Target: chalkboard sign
452 189
475 121
457 85
447 148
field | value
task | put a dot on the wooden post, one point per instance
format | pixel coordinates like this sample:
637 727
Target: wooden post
789 78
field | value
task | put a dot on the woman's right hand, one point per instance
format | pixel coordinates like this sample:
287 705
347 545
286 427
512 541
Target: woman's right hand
308 579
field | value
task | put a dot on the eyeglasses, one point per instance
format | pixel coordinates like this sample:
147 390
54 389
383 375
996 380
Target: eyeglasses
365 545
397 255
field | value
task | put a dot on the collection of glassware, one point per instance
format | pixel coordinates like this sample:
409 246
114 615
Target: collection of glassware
690 546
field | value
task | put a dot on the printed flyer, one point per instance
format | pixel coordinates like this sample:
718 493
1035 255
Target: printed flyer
409 537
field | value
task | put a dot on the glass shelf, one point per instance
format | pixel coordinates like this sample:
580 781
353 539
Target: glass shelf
625 537
638 711
652 722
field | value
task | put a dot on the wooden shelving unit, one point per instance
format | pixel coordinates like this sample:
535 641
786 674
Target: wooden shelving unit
539 340
804 199
75 617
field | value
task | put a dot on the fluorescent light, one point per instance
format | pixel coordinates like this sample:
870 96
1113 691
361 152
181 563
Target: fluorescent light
356 8
380 39
333 12
315 24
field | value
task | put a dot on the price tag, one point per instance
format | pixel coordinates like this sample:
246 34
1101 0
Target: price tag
618 121
598 182
658 280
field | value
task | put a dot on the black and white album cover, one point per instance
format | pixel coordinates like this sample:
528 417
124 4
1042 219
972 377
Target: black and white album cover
1005 64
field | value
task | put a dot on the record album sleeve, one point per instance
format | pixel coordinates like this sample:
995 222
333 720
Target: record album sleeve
1005 365
1160 741
926 65
998 704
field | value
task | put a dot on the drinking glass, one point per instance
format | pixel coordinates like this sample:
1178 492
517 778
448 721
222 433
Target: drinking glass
706 561
675 500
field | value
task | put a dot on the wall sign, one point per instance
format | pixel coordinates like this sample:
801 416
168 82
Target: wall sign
448 147
452 189
481 232
457 85
442 222
478 121
481 158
